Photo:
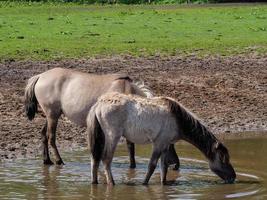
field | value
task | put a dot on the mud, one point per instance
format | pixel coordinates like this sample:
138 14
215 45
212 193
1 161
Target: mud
229 94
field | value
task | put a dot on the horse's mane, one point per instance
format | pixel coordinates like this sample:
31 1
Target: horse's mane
144 88
192 130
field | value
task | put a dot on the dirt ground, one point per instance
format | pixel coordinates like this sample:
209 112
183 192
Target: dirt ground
229 94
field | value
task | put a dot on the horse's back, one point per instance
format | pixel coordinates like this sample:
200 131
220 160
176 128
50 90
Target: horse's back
63 73
142 120
71 92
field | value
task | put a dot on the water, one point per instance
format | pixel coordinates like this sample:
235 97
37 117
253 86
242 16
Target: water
29 179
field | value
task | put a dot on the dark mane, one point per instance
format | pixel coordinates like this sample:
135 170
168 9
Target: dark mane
124 77
192 130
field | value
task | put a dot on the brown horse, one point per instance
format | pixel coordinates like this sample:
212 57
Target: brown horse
161 121
63 91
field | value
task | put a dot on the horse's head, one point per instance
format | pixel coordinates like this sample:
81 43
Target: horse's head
220 163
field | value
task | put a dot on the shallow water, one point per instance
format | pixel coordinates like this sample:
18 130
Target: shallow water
29 179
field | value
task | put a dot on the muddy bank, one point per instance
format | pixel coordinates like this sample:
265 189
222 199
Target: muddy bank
228 94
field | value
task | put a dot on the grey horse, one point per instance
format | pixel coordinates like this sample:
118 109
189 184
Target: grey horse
161 121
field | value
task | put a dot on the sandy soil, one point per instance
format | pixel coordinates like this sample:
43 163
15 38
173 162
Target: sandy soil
229 94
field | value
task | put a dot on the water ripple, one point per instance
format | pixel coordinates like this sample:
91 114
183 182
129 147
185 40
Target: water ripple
26 179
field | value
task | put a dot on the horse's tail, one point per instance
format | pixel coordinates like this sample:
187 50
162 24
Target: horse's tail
141 89
96 137
30 100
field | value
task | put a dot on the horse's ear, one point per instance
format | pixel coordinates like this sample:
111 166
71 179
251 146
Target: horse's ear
219 148
219 145
216 145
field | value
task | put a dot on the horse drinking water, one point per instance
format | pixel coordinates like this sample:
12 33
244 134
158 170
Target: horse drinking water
63 91
161 121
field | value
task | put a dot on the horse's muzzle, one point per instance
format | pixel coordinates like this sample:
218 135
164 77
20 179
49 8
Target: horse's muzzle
230 181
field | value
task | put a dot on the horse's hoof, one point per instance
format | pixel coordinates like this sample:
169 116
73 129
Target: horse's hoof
145 183
176 167
60 162
132 166
111 184
164 183
48 162
168 182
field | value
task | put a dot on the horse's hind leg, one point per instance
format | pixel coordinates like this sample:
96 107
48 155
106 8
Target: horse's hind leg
108 156
94 170
51 131
152 165
107 168
46 157
131 151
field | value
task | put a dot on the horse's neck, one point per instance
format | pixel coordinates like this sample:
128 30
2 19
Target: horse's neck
201 138
191 129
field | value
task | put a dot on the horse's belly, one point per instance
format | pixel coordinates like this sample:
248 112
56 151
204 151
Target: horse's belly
138 137
76 109
78 118
76 101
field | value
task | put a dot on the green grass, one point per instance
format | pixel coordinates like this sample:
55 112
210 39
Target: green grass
50 31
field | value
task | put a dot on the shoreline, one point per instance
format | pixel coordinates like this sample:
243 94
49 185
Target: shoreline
228 94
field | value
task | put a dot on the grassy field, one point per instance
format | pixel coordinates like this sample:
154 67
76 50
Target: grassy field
51 31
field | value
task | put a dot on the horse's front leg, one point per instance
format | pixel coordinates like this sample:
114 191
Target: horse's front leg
172 157
164 166
152 165
131 151
108 156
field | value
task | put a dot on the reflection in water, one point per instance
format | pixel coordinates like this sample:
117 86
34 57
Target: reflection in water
29 179
50 183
